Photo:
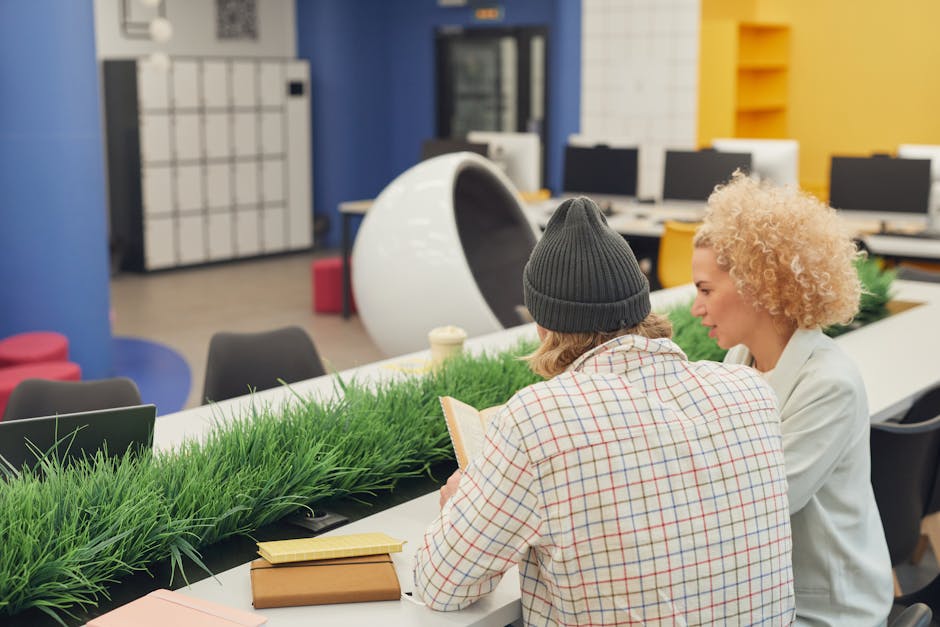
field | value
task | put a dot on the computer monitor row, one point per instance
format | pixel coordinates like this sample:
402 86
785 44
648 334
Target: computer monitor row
613 170
878 184
687 175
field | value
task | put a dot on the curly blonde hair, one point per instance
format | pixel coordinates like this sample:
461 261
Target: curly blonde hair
786 251
559 350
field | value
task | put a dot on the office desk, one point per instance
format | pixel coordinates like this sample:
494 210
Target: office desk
347 210
630 218
897 358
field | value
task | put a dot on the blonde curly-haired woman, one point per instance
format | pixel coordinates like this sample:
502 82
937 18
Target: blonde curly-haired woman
772 267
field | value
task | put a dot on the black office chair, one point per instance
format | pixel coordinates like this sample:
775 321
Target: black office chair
903 472
41 397
929 595
241 362
926 407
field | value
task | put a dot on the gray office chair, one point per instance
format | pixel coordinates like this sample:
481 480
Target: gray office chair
924 408
239 363
41 397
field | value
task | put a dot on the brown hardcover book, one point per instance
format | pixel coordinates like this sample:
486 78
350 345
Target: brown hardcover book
316 582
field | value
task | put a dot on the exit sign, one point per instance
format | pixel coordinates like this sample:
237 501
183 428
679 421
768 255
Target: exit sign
488 14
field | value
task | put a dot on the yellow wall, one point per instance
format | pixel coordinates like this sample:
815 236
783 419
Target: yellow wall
864 74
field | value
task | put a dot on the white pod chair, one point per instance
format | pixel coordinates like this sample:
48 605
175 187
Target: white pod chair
445 243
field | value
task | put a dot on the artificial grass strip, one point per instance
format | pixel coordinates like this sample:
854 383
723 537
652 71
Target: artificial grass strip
71 531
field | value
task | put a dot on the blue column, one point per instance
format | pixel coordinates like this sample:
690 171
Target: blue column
53 209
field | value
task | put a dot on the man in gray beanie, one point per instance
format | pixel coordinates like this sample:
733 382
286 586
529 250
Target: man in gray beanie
632 486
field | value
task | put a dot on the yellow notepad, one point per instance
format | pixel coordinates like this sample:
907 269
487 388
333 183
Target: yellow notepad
328 547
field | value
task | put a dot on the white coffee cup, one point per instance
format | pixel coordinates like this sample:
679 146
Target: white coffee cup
445 342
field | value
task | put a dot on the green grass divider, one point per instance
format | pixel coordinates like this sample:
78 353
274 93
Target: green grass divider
70 531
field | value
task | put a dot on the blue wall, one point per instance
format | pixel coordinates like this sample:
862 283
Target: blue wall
372 73
53 228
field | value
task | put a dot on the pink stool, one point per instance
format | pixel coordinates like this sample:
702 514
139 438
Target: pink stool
55 370
328 286
33 347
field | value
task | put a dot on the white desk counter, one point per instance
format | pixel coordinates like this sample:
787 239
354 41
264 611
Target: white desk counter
897 357
898 246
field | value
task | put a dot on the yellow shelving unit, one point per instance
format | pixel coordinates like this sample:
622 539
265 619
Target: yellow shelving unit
743 69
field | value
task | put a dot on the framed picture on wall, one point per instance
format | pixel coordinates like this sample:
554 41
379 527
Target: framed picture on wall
236 19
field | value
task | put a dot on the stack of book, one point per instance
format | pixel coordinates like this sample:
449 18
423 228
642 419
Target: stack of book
327 569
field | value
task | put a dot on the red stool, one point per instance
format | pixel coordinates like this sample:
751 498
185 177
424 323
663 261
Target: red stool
328 286
33 347
54 370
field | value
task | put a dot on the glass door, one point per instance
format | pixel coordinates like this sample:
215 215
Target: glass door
491 79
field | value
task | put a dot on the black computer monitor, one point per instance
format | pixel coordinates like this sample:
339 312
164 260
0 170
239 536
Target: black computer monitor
693 174
881 183
119 430
600 170
435 147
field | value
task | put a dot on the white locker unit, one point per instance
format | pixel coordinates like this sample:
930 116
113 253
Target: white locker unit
208 160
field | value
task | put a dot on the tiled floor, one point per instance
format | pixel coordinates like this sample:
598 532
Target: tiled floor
183 308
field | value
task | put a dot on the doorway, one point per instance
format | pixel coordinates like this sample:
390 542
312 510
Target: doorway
491 79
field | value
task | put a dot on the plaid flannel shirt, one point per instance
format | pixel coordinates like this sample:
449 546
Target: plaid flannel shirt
635 488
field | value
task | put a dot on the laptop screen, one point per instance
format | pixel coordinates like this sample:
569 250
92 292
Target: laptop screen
117 430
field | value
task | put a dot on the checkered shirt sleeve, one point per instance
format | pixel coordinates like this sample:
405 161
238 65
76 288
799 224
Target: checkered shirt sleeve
637 489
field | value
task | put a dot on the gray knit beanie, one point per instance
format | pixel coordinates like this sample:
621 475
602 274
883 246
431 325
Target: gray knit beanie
582 276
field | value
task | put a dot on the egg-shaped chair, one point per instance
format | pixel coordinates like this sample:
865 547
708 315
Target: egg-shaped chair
445 243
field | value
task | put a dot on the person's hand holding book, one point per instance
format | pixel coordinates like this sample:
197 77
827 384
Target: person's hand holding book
450 488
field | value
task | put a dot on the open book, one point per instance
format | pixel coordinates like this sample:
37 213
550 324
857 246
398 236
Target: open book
467 426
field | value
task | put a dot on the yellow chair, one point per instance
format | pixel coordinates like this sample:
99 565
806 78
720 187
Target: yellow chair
674 266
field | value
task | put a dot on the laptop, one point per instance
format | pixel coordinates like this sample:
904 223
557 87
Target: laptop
119 430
